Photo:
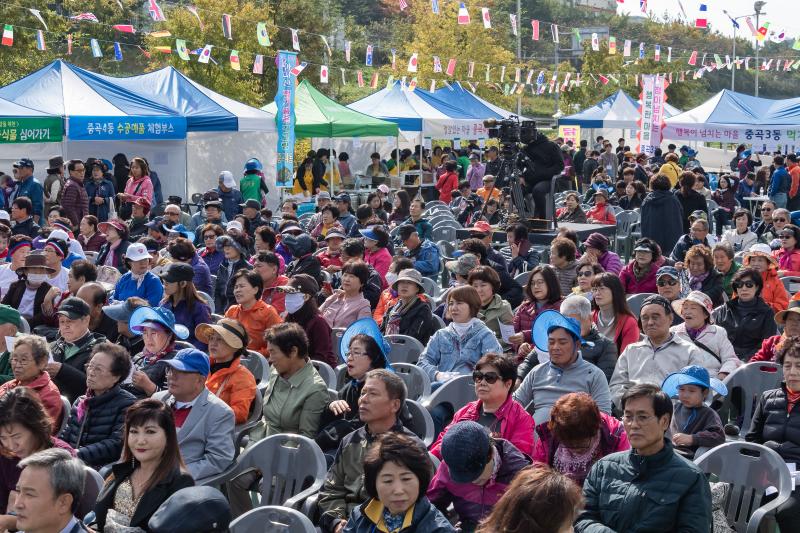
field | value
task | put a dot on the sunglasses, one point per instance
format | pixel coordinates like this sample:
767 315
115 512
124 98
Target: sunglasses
489 377
586 274
787 236
779 220
766 209
738 285
665 283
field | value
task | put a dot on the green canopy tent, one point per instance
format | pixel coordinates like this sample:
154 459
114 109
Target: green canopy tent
319 117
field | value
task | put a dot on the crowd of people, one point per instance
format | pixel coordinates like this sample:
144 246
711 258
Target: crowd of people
153 320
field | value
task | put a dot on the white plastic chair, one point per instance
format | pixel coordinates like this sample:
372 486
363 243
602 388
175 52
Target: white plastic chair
417 381
326 373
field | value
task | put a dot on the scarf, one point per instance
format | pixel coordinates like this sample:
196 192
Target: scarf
396 315
576 466
694 333
690 418
83 404
640 272
138 279
152 358
785 260
393 522
792 398
696 282
461 329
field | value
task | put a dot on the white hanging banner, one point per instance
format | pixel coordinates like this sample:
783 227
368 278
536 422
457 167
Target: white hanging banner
652 113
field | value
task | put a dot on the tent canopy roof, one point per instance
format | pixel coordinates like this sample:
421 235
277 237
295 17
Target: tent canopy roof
617 111
204 109
317 116
457 94
9 109
737 109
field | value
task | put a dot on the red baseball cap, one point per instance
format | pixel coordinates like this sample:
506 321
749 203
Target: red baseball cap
481 227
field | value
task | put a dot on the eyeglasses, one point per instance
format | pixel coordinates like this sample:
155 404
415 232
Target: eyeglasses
20 362
489 377
598 288
171 214
665 283
739 284
210 237
357 354
586 274
639 419
779 220
93 369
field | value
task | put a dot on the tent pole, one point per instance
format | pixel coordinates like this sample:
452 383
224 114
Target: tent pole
186 168
330 164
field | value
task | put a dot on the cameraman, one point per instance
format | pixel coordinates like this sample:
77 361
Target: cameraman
545 162
494 167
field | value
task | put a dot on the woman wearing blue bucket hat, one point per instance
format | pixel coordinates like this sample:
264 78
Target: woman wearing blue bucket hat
693 423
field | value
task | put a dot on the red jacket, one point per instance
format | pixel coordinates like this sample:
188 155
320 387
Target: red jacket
526 314
446 184
516 425
768 349
626 331
646 284
48 393
601 214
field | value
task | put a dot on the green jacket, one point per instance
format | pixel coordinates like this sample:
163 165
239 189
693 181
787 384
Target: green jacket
627 492
250 187
343 490
727 278
5 367
496 313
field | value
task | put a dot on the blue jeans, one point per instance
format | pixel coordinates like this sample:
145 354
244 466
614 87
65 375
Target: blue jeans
779 199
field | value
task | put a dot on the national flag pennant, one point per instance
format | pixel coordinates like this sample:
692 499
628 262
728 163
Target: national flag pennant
761 34
595 43
155 11
258 64
657 52
612 46
262 34
437 64
117 52
295 39
347 51
669 54
327 46
603 79
693 58
95 46
626 49
360 78
403 5
234 59
486 17
85 16
205 54
435 6
540 78
641 50
777 36
412 62
642 8
38 14
323 74
413 84
40 44
180 48
193 11
702 17
513 20
227 29
535 30
463 14
299 68
368 59
451 66
124 28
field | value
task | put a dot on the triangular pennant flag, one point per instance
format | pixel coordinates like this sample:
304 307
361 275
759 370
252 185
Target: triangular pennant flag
40 44
124 28
470 69
463 14
641 50
38 14
513 19
403 5
751 26
160 33
529 78
487 20
503 74
412 63
577 33
612 46
693 58
373 84
227 30
327 46
394 59
435 6
180 48
535 30
368 59
8 35
117 52
258 64
193 11
717 60
205 54
389 81
360 78
642 8
263 35
347 51
437 64
603 79
517 74
155 11
297 69
554 31
595 43
762 31
95 46
451 66
85 16
433 86
323 74
626 49
234 58
295 39
702 17
669 54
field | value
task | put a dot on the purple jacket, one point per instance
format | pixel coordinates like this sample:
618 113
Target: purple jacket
474 502
201 314
202 275
611 263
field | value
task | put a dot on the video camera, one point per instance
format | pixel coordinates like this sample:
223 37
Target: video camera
511 130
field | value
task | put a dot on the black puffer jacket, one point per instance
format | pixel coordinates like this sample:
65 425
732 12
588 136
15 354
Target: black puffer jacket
71 378
775 427
417 322
747 325
546 158
98 435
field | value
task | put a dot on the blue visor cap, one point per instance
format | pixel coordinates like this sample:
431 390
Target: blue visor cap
692 375
550 320
159 315
369 327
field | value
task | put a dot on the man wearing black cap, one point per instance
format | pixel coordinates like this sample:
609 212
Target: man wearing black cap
425 254
95 296
73 348
28 187
54 182
210 212
252 216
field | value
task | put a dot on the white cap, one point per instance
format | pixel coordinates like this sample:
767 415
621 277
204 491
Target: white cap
136 252
235 224
227 179
4 215
58 234
384 188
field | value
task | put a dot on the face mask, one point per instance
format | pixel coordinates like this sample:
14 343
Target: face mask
391 277
294 302
37 279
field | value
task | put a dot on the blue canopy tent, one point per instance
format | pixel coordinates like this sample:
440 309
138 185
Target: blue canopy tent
456 94
618 111
731 117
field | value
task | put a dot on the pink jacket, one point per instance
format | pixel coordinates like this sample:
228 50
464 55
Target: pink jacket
647 284
516 425
380 261
625 332
788 262
141 188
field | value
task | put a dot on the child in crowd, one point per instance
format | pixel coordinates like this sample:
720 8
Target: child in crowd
694 424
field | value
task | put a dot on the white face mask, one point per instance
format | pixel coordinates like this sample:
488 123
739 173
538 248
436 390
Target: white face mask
37 279
294 302
391 277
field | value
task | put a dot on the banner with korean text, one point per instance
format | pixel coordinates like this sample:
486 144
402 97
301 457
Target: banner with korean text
285 117
125 128
31 130
651 120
